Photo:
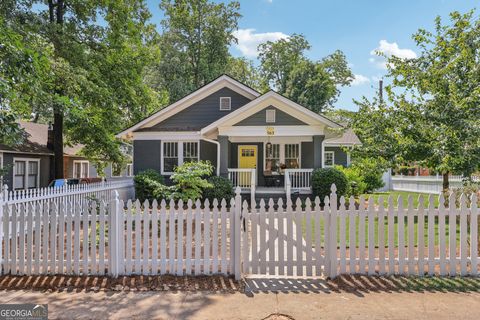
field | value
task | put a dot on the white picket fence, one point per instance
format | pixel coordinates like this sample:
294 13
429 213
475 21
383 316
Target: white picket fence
275 239
425 184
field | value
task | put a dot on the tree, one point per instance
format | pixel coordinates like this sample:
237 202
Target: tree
95 75
195 41
313 84
245 71
279 58
434 111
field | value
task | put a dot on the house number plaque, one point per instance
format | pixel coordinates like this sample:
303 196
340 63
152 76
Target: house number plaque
270 131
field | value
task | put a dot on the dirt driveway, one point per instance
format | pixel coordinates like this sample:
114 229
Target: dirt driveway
345 298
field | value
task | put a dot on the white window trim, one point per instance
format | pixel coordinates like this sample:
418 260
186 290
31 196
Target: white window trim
131 170
179 155
27 160
325 158
112 171
273 115
81 168
229 104
282 153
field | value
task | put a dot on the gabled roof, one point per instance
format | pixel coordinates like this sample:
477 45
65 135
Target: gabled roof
348 138
35 142
241 113
197 95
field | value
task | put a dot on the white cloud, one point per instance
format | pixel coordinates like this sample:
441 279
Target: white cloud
389 49
248 40
270 1
359 80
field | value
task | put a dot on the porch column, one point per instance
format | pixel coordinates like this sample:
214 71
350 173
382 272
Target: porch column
317 151
224 155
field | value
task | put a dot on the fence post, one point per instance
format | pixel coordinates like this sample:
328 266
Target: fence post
3 198
237 228
333 232
115 243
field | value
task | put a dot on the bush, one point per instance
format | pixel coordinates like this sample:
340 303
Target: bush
146 182
371 171
354 177
222 188
190 180
322 180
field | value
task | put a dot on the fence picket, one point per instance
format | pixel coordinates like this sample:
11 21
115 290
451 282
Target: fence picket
198 239
431 236
442 236
138 238
171 237
262 259
206 235
180 247
411 237
401 235
13 241
281 237
45 226
420 233
76 240
129 248
452 233
146 238
93 239
272 236
30 233
342 236
299 236
361 235
371 236
474 235
352 235
463 235
188 256
154 237
223 245
381 236
85 227
53 237
245 244
61 236
318 237
21 239
101 245
391 236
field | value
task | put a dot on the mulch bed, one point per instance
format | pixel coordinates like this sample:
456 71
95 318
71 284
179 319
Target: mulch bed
220 284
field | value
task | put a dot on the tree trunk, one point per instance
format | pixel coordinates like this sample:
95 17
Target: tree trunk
56 12
58 143
445 183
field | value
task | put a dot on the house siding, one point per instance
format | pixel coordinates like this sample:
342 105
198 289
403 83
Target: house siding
307 155
281 119
202 113
45 161
208 152
339 154
146 155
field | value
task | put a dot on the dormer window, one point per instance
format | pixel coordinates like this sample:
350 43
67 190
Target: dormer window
225 103
270 116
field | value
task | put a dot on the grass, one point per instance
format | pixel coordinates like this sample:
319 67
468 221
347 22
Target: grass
395 195
405 195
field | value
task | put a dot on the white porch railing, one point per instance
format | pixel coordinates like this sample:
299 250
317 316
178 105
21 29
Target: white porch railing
297 179
244 178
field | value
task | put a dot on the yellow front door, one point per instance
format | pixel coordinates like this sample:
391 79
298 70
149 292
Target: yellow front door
247 159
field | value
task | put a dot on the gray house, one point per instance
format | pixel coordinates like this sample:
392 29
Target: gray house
257 140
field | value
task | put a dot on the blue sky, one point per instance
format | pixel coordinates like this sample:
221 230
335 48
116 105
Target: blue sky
357 27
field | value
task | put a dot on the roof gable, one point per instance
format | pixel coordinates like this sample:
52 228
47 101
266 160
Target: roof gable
260 119
272 98
223 81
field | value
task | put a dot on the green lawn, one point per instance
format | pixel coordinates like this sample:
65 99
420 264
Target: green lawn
405 195
395 194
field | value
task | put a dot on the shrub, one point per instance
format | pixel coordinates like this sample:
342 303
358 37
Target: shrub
222 188
354 177
322 180
146 182
371 171
190 180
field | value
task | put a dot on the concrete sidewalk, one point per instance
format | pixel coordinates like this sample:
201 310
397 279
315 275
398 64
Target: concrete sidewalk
254 305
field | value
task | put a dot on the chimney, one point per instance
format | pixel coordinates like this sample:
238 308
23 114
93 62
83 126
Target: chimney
50 137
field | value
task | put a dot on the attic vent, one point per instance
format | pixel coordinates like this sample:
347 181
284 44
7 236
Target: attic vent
270 116
225 103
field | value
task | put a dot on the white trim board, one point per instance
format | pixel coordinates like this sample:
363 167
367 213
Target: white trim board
280 131
203 92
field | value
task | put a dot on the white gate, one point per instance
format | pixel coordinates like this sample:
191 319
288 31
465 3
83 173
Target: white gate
288 240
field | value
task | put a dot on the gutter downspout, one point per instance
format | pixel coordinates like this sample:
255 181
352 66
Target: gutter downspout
218 152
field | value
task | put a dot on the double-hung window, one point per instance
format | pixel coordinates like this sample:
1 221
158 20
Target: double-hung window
272 157
175 153
80 169
26 173
329 159
292 156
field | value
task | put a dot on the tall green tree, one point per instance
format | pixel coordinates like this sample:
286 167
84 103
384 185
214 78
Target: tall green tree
246 72
95 84
195 41
313 84
434 109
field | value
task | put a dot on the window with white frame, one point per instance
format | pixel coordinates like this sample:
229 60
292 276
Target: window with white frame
190 151
272 157
225 103
329 159
292 156
270 116
176 153
116 170
170 156
26 173
80 169
129 169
